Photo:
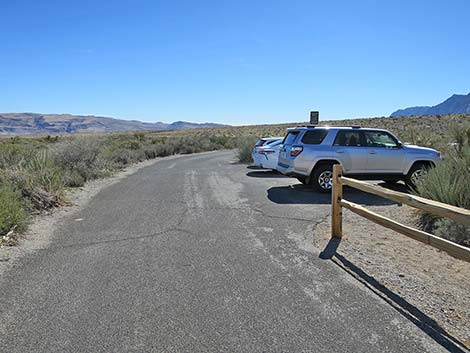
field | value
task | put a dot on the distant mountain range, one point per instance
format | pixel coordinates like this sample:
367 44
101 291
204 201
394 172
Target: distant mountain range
457 104
33 123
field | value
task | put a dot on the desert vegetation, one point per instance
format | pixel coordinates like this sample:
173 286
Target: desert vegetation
449 182
36 172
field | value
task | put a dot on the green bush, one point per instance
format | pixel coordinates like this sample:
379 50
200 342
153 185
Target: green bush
448 182
13 212
245 146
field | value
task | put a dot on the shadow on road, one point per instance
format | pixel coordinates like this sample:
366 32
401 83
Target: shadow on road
265 174
305 195
427 324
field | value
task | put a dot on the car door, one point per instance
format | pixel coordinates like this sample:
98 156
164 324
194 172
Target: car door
348 148
384 152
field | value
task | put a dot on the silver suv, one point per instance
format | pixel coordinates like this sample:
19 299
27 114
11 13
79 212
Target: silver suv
309 152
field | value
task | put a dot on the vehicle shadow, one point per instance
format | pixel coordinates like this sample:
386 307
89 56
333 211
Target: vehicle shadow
305 195
265 173
427 324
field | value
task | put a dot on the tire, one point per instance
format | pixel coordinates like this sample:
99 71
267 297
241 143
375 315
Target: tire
322 178
416 172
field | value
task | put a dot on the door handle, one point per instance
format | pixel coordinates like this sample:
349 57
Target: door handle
340 151
372 152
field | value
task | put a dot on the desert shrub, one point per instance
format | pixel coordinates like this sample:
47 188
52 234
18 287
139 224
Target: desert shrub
421 137
12 153
80 159
222 141
158 140
73 178
150 152
13 212
39 180
163 150
454 231
448 183
41 171
139 136
122 157
245 146
461 136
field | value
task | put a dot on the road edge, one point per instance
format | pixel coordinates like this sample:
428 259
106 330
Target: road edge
41 228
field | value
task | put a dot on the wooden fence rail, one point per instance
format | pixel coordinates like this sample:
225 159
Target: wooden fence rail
438 208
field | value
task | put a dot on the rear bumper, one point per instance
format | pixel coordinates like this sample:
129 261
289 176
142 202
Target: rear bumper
258 159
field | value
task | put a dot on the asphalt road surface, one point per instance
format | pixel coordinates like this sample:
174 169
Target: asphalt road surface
196 254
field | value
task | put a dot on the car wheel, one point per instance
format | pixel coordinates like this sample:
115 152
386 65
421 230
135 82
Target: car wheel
322 178
416 172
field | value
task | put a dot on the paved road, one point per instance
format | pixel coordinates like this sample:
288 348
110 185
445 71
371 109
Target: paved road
195 254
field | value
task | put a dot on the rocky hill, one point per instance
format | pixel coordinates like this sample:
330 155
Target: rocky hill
33 123
457 104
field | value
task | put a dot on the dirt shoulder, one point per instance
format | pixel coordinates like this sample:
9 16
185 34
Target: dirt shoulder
426 285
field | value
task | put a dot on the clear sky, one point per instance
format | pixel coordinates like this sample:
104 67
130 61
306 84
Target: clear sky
235 62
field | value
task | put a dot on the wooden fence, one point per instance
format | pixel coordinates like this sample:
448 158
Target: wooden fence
438 208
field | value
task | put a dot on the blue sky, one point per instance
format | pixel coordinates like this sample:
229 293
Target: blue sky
235 62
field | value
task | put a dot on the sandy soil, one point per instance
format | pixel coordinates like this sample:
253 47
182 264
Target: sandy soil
427 285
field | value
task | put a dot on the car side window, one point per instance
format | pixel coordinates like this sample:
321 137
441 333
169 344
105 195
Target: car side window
348 138
380 139
314 137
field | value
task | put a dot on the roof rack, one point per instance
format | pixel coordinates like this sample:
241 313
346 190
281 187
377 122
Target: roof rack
330 126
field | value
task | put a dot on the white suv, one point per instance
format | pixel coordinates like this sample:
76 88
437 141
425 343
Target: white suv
309 152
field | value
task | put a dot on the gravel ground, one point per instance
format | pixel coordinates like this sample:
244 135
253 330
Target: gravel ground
425 284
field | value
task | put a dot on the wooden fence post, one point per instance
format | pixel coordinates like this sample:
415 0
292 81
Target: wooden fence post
336 208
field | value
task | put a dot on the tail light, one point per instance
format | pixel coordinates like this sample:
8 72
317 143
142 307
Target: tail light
296 150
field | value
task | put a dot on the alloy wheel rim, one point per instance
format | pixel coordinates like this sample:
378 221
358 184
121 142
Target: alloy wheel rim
417 175
325 180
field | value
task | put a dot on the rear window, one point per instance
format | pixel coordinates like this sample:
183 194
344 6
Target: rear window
290 138
314 137
274 143
260 143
